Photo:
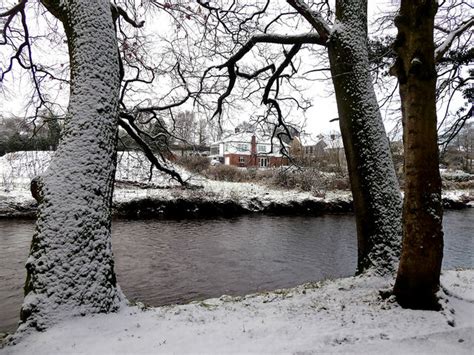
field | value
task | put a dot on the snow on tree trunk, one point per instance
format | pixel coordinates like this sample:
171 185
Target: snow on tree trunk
375 189
422 251
70 269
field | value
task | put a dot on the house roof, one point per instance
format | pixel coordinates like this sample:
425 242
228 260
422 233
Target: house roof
244 137
328 141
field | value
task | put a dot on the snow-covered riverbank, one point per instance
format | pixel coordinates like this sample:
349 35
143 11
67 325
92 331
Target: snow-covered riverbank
135 197
214 199
332 316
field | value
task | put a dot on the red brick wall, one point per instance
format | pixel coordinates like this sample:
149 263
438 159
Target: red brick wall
277 161
234 160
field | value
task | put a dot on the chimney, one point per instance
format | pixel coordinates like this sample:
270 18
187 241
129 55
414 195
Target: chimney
253 150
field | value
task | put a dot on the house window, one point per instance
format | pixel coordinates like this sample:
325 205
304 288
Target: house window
263 162
215 150
261 148
241 160
242 147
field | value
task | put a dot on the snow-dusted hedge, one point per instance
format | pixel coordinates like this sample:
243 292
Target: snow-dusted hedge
456 175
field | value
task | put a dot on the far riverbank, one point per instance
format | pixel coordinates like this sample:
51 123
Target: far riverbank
215 201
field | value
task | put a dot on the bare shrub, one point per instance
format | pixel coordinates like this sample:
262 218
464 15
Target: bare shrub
234 174
225 173
304 179
284 179
265 175
194 163
309 180
338 183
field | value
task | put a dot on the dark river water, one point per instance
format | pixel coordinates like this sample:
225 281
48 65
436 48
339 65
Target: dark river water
163 262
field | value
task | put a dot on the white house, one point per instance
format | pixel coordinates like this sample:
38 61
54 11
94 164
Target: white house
247 150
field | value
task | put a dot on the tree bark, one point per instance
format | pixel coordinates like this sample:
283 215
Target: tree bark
70 269
422 249
375 189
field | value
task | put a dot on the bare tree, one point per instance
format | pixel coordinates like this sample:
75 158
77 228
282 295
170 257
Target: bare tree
185 127
459 153
454 55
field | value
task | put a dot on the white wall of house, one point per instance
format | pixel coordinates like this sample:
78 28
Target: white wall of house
236 147
240 144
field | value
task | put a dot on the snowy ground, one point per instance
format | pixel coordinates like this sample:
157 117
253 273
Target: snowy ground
17 170
339 316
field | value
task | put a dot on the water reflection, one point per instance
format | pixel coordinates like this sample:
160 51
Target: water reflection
167 261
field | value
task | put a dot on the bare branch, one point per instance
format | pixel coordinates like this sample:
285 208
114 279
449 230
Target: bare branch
296 40
256 73
165 107
118 11
124 122
443 48
289 56
313 17
15 9
310 38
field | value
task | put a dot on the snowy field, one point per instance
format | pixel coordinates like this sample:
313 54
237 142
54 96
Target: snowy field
338 316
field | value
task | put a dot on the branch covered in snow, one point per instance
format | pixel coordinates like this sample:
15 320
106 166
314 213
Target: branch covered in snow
444 47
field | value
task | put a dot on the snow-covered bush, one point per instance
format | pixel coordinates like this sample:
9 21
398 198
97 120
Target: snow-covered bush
456 175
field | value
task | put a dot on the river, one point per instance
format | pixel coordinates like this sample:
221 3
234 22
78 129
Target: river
162 262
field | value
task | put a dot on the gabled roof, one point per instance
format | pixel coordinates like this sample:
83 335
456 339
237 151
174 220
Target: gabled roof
327 141
244 137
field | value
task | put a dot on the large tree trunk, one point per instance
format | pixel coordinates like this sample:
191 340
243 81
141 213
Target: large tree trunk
70 267
422 250
375 189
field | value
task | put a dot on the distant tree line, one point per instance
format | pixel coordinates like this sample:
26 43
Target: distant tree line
459 153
